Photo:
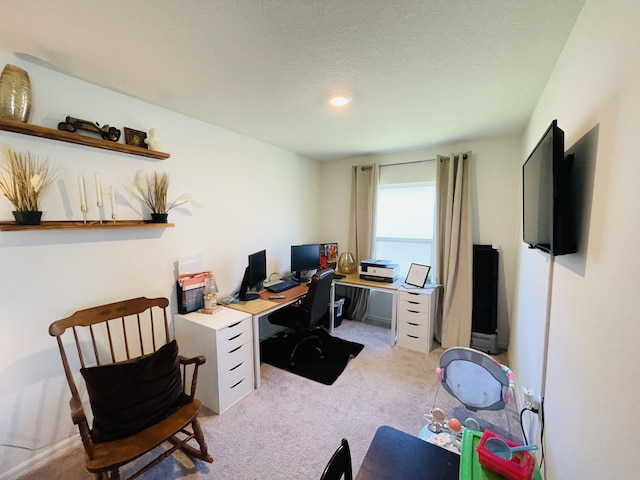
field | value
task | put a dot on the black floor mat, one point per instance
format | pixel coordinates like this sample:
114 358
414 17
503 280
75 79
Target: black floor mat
337 353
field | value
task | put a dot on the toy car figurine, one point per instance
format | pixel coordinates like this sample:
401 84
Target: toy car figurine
72 124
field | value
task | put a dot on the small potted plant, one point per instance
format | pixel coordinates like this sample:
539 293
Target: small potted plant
23 180
153 189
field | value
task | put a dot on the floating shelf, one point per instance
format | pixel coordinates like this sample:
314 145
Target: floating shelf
80 225
70 137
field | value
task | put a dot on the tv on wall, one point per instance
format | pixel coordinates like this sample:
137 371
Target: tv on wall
546 209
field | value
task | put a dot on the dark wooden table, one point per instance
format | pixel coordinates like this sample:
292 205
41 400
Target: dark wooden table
396 455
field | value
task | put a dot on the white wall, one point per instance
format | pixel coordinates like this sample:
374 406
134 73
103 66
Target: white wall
47 275
495 179
591 385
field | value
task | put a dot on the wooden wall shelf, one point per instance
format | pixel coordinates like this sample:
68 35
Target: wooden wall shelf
70 137
79 225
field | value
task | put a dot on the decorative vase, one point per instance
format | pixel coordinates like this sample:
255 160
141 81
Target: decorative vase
27 217
346 263
15 94
159 217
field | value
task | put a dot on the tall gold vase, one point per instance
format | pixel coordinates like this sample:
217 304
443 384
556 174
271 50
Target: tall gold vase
15 94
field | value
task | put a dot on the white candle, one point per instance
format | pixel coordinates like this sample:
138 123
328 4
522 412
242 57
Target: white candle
113 202
83 198
98 190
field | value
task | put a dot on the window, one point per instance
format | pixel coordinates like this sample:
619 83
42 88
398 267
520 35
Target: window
405 225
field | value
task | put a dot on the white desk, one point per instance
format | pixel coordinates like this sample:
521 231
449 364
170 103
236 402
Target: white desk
353 280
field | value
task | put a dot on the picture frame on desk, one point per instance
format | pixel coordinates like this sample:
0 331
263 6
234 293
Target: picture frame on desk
417 275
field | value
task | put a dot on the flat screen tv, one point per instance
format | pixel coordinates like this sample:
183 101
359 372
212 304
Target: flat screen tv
546 212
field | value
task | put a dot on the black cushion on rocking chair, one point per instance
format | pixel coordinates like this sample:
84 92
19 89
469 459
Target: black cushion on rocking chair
127 397
303 316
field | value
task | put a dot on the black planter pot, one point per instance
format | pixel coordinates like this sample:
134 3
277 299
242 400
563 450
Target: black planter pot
27 218
159 217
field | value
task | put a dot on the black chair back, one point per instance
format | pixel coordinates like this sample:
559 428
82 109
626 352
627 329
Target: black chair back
340 464
317 299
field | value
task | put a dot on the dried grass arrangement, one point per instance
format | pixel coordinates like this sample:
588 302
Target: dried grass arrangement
153 190
24 179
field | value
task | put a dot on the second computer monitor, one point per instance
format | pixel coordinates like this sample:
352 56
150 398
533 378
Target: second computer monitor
303 258
254 275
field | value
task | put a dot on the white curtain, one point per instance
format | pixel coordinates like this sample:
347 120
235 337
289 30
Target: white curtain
454 250
362 216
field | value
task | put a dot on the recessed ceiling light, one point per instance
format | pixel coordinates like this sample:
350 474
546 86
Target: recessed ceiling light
339 99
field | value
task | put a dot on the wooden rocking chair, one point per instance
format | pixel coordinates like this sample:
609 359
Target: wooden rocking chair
136 383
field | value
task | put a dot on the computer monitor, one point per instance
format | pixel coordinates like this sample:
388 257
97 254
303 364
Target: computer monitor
303 258
254 275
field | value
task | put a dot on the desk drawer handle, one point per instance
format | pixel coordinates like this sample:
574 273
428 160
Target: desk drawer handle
235 324
413 311
236 349
238 365
234 386
412 336
233 338
414 324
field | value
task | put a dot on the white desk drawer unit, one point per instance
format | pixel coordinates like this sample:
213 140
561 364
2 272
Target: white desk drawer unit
226 340
415 319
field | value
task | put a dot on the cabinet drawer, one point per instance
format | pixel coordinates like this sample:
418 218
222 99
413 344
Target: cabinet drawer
415 330
416 343
414 297
410 316
235 335
230 359
414 306
235 384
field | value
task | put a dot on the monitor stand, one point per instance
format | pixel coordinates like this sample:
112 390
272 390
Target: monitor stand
300 279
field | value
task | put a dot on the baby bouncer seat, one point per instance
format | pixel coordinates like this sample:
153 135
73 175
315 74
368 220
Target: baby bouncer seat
477 380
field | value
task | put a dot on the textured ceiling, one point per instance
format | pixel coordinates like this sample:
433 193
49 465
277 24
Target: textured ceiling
420 72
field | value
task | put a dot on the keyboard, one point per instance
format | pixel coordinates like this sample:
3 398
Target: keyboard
286 284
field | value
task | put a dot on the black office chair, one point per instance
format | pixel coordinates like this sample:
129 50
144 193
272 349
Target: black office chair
303 317
340 464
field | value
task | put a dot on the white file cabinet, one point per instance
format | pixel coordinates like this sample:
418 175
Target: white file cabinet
415 318
226 340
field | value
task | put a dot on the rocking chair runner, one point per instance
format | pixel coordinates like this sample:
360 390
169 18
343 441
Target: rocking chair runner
137 385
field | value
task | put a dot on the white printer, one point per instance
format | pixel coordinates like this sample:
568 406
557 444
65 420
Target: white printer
378 270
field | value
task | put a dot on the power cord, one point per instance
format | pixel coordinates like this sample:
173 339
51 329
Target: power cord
530 408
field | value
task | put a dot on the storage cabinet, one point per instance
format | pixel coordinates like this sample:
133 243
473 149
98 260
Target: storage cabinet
415 318
226 340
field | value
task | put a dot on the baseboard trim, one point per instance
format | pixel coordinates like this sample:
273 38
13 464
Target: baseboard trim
41 458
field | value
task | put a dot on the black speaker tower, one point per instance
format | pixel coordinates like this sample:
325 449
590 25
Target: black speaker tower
484 318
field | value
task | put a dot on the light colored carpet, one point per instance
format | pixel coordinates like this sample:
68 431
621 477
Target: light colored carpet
289 428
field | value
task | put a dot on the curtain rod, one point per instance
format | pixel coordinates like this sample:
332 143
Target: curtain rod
368 167
464 157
